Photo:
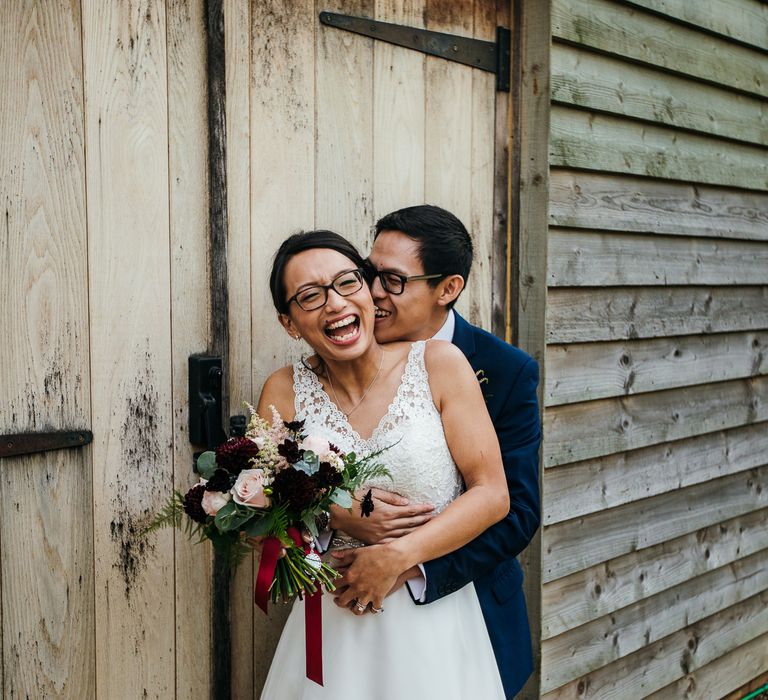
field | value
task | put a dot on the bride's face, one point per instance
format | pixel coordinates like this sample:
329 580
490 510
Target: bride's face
342 328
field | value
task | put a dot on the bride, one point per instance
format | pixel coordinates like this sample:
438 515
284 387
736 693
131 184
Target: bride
422 402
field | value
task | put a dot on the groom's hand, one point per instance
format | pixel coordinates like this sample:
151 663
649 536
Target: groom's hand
393 516
370 573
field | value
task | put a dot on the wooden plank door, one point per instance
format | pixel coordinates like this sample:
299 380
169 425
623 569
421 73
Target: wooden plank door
328 129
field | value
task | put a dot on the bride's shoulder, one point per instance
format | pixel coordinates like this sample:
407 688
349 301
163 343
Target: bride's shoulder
442 354
278 392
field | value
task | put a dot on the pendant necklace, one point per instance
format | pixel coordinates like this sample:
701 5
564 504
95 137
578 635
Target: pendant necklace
347 414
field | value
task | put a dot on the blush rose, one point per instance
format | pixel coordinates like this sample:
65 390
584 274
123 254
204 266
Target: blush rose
249 489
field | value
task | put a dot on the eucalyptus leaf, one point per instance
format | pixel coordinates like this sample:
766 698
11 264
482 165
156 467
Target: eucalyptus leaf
206 464
232 516
259 526
341 498
310 523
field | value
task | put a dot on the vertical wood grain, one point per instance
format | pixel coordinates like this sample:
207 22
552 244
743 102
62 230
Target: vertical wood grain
129 284
237 38
46 559
398 114
190 317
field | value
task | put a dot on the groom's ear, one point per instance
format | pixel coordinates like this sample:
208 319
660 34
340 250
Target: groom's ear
449 289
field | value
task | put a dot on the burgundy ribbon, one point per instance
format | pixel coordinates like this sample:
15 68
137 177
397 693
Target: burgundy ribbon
313 618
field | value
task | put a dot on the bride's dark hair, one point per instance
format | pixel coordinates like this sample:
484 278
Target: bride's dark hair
298 243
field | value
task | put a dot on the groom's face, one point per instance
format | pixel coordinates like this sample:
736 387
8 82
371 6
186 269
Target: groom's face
410 315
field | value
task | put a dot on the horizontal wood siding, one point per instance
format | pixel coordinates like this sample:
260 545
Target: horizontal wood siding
655 546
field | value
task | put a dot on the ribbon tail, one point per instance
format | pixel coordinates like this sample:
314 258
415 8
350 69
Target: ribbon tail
270 553
313 632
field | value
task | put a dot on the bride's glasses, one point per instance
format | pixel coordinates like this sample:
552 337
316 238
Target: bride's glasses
315 297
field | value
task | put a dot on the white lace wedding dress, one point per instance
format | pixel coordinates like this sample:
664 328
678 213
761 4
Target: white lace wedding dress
409 651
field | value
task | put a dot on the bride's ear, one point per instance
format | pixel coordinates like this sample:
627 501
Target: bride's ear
285 322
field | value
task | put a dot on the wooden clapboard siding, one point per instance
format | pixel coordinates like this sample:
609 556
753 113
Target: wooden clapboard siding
190 319
590 258
584 314
614 636
643 523
47 626
669 659
237 39
740 20
605 426
592 485
126 118
608 84
619 29
601 589
721 676
580 199
599 141
588 371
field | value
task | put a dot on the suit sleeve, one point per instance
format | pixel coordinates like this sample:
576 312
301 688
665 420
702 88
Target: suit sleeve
519 431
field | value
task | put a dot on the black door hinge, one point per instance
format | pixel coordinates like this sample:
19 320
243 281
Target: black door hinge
489 56
29 443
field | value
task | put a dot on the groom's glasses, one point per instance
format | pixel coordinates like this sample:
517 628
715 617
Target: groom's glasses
312 298
394 283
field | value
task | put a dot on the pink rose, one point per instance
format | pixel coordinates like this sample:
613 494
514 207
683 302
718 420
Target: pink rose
249 489
214 501
316 444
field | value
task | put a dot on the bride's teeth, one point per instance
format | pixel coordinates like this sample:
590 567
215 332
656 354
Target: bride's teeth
341 323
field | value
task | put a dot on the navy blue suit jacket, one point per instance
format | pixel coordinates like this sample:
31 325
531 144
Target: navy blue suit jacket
489 560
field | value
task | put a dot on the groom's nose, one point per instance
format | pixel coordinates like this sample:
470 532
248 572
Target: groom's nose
377 289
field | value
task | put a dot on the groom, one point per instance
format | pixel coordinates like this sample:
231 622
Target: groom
422 256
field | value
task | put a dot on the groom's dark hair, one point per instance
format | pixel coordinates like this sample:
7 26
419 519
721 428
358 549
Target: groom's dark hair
445 246
298 243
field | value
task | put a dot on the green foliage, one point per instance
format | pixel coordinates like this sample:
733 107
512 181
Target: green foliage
206 464
232 516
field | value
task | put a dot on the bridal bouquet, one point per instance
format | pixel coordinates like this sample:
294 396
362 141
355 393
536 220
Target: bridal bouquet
272 484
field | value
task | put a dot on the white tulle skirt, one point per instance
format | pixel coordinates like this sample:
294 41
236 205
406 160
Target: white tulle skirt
407 652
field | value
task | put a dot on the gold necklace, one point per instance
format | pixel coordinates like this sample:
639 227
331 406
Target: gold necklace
365 393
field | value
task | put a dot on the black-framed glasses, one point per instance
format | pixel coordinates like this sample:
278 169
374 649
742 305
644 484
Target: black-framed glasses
315 297
394 282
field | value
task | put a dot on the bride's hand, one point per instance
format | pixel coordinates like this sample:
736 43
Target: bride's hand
393 516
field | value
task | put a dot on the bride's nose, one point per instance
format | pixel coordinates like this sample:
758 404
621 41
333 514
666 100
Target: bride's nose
335 301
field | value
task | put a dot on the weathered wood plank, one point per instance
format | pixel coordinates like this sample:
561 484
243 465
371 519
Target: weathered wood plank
448 174
578 489
126 99
581 199
344 124
721 676
588 371
742 20
528 257
587 648
237 48
641 36
581 315
283 190
190 305
47 618
595 141
483 150
398 114
589 258
604 588
577 544
671 658
582 431
606 83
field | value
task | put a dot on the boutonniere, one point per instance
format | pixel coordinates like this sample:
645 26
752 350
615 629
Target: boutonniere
482 380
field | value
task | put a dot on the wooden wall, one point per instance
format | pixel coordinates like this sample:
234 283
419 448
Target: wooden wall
655 541
103 294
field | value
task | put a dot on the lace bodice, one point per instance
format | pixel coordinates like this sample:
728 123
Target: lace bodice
416 454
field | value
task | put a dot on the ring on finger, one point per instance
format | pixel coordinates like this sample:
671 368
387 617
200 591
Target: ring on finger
360 607
377 610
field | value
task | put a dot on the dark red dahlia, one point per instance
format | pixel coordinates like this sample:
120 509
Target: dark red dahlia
335 449
327 476
235 454
220 481
294 487
290 450
193 503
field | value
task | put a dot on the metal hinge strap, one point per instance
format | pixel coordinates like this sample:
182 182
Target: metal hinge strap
486 55
29 443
